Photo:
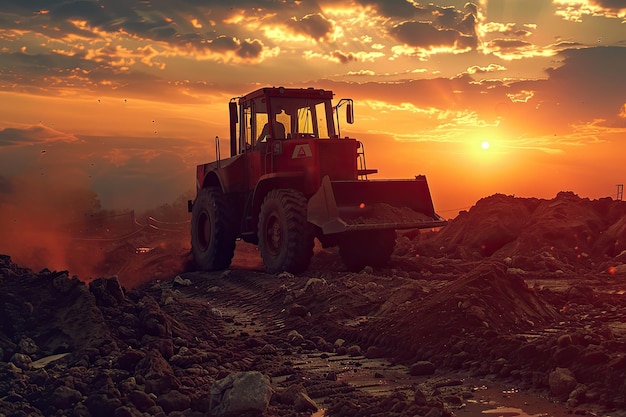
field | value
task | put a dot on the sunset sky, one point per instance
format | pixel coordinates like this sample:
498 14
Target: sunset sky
125 97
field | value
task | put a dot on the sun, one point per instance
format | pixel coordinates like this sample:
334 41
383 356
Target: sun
485 145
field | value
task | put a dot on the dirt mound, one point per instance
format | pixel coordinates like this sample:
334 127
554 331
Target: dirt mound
484 300
57 312
564 233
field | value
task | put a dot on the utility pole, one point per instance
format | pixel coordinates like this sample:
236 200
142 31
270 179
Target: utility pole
620 192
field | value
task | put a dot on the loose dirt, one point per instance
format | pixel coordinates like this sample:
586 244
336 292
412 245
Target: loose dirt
517 303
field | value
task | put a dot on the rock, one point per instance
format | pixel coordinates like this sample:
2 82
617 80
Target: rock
107 291
129 359
422 368
297 396
22 361
316 286
304 403
374 352
157 373
173 401
419 397
27 346
298 310
101 405
354 350
65 397
240 393
594 356
339 343
562 382
566 356
124 411
434 412
153 321
295 338
181 282
564 340
268 349
141 400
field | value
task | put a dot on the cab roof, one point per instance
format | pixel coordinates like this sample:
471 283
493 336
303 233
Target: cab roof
268 92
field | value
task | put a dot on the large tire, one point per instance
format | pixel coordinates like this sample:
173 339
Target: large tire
213 230
367 248
285 235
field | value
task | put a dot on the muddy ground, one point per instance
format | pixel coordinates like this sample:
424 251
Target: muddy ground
523 294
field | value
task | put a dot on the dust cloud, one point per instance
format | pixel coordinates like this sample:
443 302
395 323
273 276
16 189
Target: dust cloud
40 219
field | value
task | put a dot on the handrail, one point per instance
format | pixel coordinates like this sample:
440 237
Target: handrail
217 151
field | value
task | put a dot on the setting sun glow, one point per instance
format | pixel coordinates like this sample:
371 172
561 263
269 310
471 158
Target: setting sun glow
484 145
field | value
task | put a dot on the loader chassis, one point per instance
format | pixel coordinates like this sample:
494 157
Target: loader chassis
290 179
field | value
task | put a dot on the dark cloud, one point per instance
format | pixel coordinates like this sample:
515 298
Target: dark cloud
223 44
314 25
156 20
424 35
344 58
439 26
446 16
591 80
610 4
250 49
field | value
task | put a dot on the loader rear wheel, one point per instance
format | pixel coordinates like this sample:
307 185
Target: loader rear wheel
285 235
370 248
213 230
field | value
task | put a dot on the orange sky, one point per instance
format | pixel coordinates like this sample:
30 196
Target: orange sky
125 98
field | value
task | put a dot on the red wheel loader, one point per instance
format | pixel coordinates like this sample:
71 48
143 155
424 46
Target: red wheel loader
291 178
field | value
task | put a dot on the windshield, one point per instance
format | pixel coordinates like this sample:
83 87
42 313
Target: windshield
303 117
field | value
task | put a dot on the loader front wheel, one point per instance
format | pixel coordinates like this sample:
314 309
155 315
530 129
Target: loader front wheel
213 231
367 248
285 235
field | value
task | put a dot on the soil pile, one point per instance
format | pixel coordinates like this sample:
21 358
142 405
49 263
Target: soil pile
566 233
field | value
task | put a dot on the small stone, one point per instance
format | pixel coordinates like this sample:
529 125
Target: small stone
354 350
298 310
22 361
182 282
422 368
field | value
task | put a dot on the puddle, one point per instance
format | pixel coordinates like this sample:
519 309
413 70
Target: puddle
510 412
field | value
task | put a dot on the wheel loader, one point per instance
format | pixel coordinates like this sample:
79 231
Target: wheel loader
292 178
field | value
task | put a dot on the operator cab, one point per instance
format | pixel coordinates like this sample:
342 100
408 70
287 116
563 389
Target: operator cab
282 114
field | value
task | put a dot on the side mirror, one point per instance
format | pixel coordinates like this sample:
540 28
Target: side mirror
349 113
232 108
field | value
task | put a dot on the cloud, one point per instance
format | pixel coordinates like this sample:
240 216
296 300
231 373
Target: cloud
586 88
576 10
448 27
345 57
315 26
33 135
424 35
477 69
610 4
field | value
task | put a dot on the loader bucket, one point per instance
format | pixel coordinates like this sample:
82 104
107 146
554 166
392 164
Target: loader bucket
340 206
